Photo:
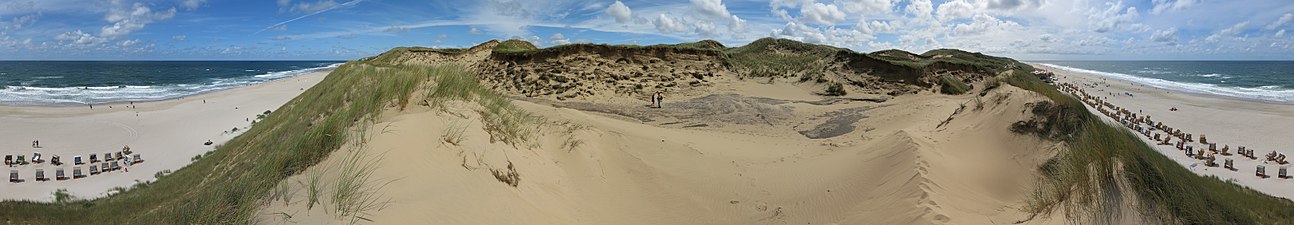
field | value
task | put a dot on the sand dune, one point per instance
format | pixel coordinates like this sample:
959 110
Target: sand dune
899 165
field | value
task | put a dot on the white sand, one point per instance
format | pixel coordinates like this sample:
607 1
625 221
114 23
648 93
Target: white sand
1256 125
167 134
898 167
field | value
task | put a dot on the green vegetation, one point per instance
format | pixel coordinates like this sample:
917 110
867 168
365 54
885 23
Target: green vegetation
781 57
952 86
228 185
1083 178
514 45
835 89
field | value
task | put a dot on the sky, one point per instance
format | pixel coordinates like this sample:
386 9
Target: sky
351 29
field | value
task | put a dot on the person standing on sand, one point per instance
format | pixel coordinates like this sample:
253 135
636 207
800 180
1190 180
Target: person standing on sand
658 98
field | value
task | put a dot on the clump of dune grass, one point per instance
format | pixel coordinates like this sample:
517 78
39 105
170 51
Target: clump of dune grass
356 192
503 121
453 133
952 86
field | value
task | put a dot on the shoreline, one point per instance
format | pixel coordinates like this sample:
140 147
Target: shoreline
1226 121
167 133
1192 93
300 72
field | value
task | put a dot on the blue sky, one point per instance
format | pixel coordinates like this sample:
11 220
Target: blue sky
349 29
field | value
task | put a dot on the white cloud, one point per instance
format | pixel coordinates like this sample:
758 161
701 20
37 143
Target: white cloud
192 4
800 32
821 14
128 43
558 39
1109 19
983 23
79 38
1171 5
20 21
1280 22
875 27
1280 33
475 31
1167 35
955 9
396 29
129 19
1013 4
668 24
311 7
621 12
736 24
179 37
1227 32
712 8
706 29
868 6
920 8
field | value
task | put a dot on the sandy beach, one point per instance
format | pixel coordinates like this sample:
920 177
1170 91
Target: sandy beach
1226 121
167 134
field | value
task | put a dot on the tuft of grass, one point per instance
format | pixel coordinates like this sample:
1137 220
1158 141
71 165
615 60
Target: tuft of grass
453 133
952 86
61 196
314 189
354 193
513 46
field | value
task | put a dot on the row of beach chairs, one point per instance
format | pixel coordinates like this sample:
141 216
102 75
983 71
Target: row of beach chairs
101 167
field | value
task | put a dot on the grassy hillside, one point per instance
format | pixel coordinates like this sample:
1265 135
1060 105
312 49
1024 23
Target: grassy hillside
227 185
1079 180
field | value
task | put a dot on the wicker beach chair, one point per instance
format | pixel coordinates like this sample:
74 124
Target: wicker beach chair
115 166
40 175
8 160
107 157
76 173
55 160
94 170
59 174
1211 161
22 160
1283 173
35 158
76 160
94 158
137 159
1226 150
1229 164
104 166
13 176
117 155
1261 171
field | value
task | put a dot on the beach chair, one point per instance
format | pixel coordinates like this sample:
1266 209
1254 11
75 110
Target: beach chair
104 166
1199 154
76 160
115 166
1229 164
94 158
13 176
1211 161
21 160
76 173
107 157
1226 150
1283 173
55 160
8 160
1280 159
1190 150
1213 147
1261 171
1203 139
59 174
117 155
137 159
94 170
126 150
40 175
35 158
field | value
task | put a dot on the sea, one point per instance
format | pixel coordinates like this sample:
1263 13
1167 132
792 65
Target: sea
96 82
1265 81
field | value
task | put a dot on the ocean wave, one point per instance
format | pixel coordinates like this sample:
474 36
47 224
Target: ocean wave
30 95
1263 93
1152 71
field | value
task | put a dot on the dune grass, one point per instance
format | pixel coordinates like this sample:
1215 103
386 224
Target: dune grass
228 185
1085 179
952 86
